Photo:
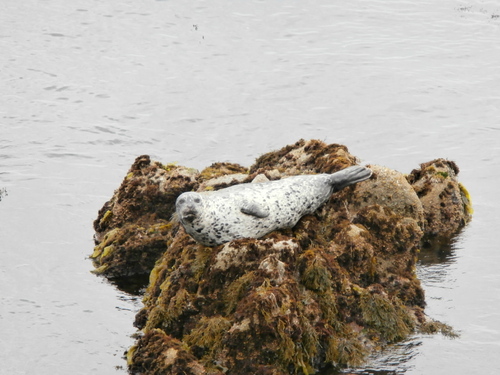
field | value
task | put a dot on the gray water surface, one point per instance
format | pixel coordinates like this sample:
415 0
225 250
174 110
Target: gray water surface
86 86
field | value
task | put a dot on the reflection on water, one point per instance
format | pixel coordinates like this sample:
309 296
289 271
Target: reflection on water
133 285
393 360
438 251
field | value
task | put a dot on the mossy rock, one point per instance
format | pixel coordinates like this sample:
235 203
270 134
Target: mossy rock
447 203
325 293
311 156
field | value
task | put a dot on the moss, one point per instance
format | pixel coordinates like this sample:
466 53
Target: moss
328 305
207 336
159 353
432 327
165 316
286 347
310 344
313 156
198 266
153 277
131 250
297 354
138 217
388 318
271 159
221 169
237 290
176 305
345 351
316 276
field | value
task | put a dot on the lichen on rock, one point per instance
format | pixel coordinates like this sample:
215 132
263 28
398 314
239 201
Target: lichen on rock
325 293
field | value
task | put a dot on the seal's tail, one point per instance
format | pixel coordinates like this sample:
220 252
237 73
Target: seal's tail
349 176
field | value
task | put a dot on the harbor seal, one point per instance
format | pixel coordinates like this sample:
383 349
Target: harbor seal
253 210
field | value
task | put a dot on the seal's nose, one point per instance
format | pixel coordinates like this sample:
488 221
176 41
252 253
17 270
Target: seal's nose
189 214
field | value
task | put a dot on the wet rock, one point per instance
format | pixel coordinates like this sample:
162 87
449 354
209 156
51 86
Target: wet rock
390 189
135 226
305 157
325 293
446 202
158 348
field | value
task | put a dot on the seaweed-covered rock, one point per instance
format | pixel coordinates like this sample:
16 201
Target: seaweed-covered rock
157 347
325 293
391 189
305 157
446 202
134 227
137 224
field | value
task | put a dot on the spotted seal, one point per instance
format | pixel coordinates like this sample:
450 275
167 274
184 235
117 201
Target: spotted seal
253 210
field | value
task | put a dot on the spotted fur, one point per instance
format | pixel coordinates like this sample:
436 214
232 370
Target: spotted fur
256 209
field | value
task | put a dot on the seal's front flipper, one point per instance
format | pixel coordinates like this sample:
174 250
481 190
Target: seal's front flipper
254 209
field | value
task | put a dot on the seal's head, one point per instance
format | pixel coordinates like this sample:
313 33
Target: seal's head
189 206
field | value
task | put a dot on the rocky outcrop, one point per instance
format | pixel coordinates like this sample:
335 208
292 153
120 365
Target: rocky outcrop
446 202
338 285
135 226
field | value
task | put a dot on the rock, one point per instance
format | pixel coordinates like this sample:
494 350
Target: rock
157 348
325 293
134 227
390 189
446 202
305 157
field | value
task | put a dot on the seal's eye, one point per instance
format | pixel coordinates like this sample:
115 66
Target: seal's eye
197 200
181 201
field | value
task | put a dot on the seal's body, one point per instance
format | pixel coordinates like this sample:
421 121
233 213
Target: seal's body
255 209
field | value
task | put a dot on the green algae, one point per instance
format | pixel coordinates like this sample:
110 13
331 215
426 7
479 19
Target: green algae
433 327
466 199
164 316
106 218
108 240
389 318
207 335
130 354
345 351
315 276
221 169
108 250
237 290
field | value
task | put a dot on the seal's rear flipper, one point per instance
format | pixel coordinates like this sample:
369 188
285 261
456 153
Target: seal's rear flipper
349 176
254 209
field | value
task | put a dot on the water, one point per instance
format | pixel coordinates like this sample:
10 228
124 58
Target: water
86 86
